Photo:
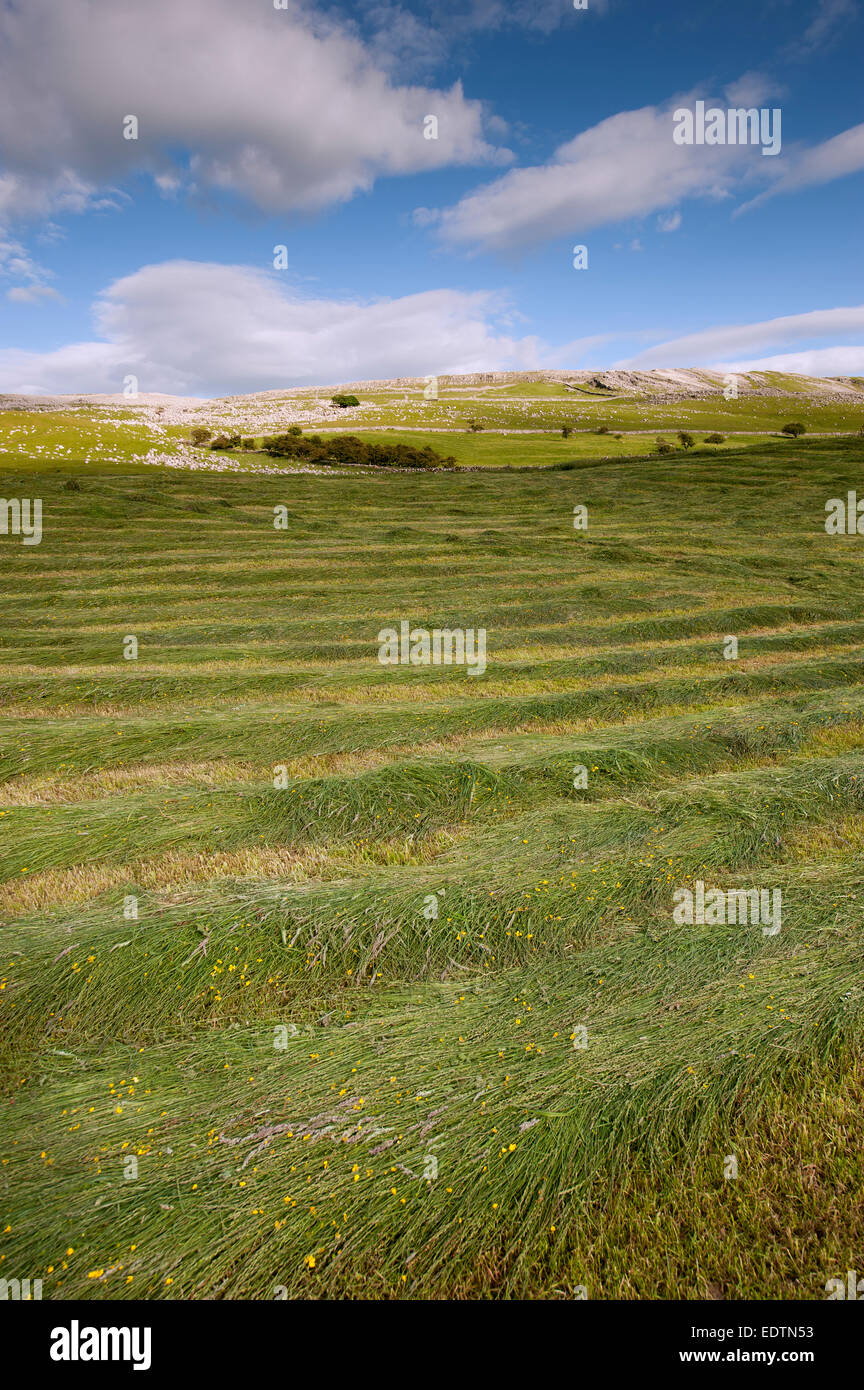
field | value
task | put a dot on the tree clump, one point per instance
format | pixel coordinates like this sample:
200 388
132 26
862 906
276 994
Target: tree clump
349 449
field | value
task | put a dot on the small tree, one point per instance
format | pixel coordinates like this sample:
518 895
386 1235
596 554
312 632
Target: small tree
566 431
221 442
602 429
715 439
685 440
248 443
200 435
344 401
794 429
664 447
474 425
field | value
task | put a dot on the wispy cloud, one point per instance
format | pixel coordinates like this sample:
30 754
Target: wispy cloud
31 278
835 158
737 343
825 27
829 361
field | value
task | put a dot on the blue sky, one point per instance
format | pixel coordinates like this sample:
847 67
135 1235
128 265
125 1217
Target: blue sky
303 126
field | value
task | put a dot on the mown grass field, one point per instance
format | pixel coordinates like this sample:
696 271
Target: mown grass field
326 1089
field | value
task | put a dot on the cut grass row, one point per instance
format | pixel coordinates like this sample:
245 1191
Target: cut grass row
269 1157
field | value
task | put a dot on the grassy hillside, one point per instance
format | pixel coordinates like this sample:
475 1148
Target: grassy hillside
327 1088
521 419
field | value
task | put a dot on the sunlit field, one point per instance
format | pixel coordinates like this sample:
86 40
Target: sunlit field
323 977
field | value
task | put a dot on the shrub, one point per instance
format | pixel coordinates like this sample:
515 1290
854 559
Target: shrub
200 435
248 443
566 431
349 449
794 429
715 439
474 426
221 442
71 485
344 401
602 429
664 447
685 440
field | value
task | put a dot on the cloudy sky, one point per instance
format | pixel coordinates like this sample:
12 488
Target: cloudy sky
307 127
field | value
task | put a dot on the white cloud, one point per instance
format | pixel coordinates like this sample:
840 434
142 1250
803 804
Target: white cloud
194 328
752 89
31 294
669 222
735 343
282 107
825 27
830 361
841 155
627 166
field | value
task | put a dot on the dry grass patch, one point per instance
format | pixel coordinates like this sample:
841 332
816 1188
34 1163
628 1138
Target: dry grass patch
842 840
65 888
